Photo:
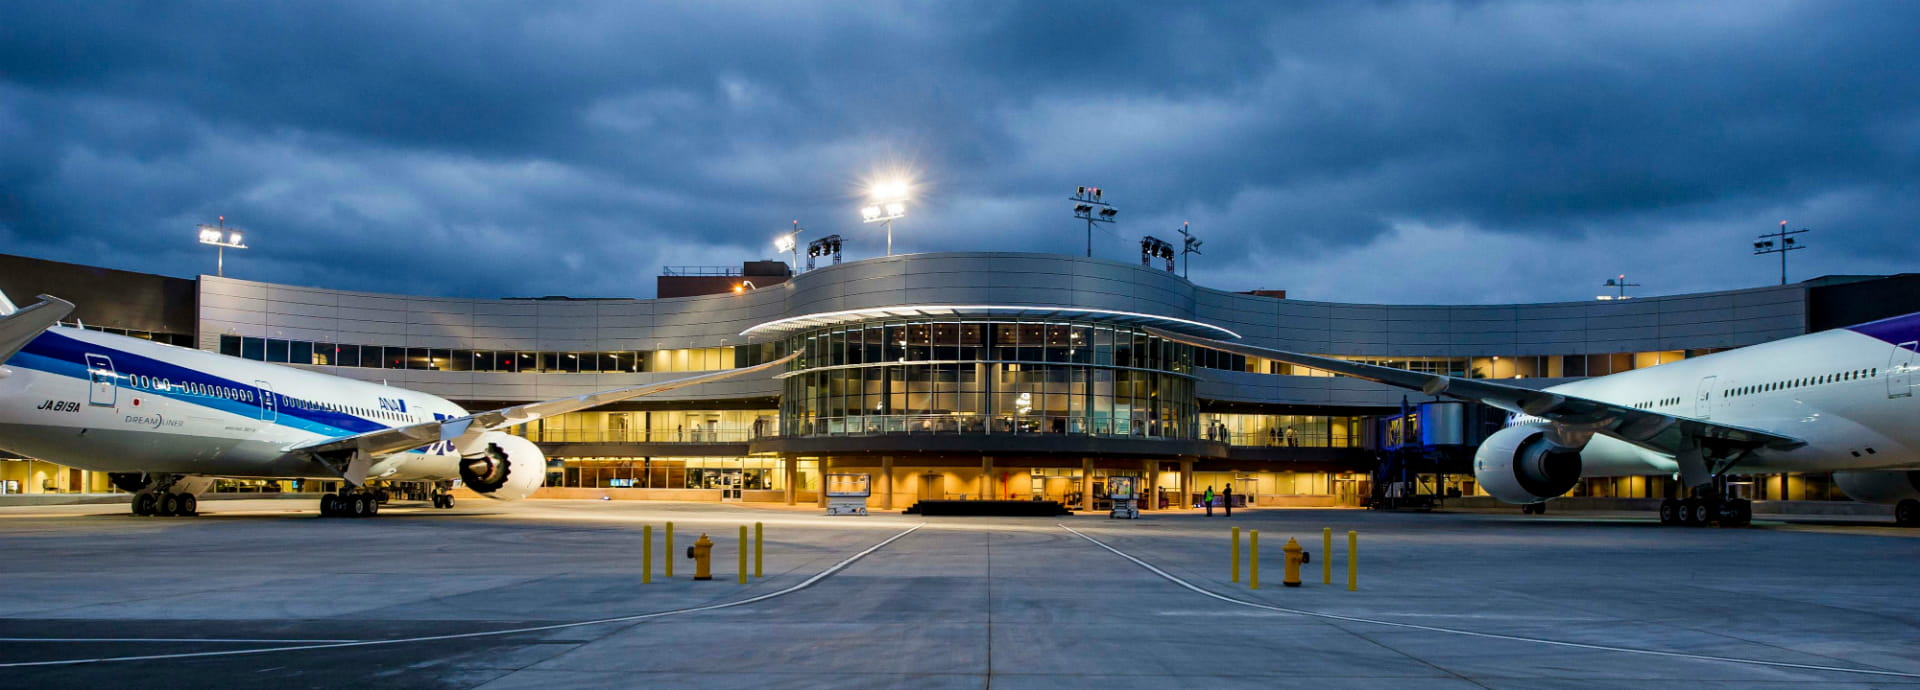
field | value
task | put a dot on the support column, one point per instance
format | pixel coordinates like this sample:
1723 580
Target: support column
793 479
886 482
1086 483
825 463
1186 482
986 477
1150 489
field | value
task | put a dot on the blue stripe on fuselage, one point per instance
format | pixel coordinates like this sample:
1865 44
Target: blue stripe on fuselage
1898 330
63 355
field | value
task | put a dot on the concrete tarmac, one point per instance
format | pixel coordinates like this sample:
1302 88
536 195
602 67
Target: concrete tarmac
547 593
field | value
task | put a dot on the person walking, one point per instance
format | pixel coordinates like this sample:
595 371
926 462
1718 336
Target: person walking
1226 499
1208 499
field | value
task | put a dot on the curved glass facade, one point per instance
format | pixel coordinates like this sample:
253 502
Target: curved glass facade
988 376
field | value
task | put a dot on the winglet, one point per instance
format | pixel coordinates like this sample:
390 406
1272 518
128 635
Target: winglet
6 305
20 326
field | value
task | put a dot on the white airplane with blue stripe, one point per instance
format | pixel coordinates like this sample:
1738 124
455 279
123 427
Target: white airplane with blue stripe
165 421
1839 401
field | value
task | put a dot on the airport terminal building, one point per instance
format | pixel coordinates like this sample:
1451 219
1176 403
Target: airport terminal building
956 375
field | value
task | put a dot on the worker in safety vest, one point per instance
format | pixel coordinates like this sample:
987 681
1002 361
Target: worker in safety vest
1208 499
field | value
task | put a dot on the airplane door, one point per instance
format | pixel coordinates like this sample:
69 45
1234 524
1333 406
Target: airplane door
102 384
1900 370
1703 398
269 409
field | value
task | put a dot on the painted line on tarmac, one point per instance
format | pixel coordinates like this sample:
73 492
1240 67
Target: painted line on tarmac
1471 633
161 640
809 582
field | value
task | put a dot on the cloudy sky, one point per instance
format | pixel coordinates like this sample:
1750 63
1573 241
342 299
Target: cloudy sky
1395 152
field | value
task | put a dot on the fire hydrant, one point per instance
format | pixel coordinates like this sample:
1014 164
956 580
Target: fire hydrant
702 554
1295 557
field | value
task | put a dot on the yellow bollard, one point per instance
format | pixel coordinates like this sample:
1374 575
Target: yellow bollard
667 568
646 555
1236 554
756 549
1326 555
1290 574
1253 559
743 554
1353 563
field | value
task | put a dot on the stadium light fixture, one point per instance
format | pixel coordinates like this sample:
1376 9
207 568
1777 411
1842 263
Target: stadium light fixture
1085 199
219 236
889 202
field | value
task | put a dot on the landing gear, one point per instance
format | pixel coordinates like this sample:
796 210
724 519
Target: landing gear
1700 511
157 497
1906 513
350 504
1534 508
442 501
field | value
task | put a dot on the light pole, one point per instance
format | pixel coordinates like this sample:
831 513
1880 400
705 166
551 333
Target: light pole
1785 244
1088 206
220 237
1190 245
1620 285
889 202
788 242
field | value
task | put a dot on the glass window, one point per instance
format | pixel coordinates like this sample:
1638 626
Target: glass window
276 350
300 352
230 345
253 348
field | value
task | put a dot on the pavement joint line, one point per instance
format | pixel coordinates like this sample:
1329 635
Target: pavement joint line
809 582
1472 633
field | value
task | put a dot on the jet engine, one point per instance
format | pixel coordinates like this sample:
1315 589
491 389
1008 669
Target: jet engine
1519 464
507 468
1880 487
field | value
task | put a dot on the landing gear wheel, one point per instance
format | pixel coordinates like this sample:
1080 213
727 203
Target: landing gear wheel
357 505
167 505
329 505
1736 513
1906 513
1702 513
189 505
373 507
1686 511
446 501
143 504
1669 512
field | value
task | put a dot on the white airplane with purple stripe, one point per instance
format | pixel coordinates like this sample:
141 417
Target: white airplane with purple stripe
1839 401
165 421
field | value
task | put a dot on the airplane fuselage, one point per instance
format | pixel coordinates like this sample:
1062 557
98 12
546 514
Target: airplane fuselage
1849 393
110 403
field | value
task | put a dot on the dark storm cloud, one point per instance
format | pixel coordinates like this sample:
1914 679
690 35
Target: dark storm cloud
1392 151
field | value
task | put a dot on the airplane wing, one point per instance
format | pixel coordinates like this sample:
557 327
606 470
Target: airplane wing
1571 417
20 326
351 455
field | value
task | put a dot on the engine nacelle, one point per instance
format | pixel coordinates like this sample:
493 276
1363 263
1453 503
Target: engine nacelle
507 468
1879 487
1519 465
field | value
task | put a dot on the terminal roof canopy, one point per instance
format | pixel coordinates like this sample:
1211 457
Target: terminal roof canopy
810 321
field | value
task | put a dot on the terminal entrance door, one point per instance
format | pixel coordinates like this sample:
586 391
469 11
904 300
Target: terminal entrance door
730 484
932 487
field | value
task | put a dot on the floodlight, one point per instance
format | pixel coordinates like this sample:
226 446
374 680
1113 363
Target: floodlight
783 243
1082 208
870 213
896 209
